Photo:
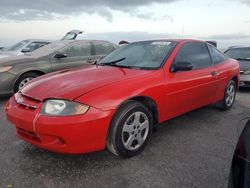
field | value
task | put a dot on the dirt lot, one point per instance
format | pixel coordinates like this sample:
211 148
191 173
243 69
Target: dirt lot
193 150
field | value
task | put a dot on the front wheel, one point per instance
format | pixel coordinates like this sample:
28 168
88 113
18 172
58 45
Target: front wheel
229 96
130 129
23 80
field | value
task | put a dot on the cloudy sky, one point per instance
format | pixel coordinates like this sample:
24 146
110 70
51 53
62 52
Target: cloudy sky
227 21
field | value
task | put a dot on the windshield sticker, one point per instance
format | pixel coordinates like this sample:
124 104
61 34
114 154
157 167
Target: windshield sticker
161 43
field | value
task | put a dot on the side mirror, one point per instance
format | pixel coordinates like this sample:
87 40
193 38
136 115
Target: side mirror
181 66
25 50
60 55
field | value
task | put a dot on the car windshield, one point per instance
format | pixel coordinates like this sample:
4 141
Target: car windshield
144 55
18 46
239 53
47 49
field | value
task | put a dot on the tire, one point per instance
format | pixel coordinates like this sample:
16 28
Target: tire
229 96
24 79
130 129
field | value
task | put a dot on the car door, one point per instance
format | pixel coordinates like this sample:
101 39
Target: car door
75 54
102 48
188 90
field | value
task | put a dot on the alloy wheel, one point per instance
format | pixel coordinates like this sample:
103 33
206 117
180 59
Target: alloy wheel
135 131
230 95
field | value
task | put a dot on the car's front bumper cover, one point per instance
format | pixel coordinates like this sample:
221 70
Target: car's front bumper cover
245 80
73 134
7 80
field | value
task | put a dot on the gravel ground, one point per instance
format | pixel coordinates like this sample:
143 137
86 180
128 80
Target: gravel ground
193 150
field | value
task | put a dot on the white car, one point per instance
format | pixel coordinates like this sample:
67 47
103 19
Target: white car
23 47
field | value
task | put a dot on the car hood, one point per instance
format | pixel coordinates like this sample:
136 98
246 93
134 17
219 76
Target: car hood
4 55
71 84
13 60
244 65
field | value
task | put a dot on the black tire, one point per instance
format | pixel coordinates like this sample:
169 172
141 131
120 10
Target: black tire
23 77
115 140
224 105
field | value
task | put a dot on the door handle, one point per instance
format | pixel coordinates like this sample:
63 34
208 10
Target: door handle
214 73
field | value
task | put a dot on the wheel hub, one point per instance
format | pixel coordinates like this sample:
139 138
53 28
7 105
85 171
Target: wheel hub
135 131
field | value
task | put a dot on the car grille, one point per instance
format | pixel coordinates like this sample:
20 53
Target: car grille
247 83
27 102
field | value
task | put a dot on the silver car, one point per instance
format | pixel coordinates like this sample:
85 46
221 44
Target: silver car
23 47
17 71
242 54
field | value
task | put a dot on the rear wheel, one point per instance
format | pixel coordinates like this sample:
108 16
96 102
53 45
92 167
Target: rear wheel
23 80
229 96
130 129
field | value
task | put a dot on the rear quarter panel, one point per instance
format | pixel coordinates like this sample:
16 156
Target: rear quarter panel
226 71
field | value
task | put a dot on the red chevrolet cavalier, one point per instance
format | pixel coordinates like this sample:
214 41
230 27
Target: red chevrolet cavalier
118 101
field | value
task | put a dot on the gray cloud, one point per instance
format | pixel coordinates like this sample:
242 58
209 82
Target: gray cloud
151 16
46 9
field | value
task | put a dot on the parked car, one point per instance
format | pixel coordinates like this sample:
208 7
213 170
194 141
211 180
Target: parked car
242 54
23 47
72 35
17 71
118 101
240 168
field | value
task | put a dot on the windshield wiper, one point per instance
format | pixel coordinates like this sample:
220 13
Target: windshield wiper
113 62
243 59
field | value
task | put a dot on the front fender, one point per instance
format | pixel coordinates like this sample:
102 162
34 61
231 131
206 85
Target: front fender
110 97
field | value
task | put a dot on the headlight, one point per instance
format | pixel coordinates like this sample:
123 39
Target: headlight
5 69
57 107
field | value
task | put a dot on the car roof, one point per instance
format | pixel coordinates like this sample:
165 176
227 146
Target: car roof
173 40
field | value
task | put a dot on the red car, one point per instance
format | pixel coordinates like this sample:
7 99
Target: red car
118 101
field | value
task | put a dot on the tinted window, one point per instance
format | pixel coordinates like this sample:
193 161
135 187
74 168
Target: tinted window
216 55
146 54
78 49
103 48
195 53
238 53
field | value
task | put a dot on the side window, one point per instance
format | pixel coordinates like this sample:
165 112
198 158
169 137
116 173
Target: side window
216 55
35 45
78 49
103 48
195 53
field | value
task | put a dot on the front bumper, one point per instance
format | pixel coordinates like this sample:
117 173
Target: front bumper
7 80
73 134
244 80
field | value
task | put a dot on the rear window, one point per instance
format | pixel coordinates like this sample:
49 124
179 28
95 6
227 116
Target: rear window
216 55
